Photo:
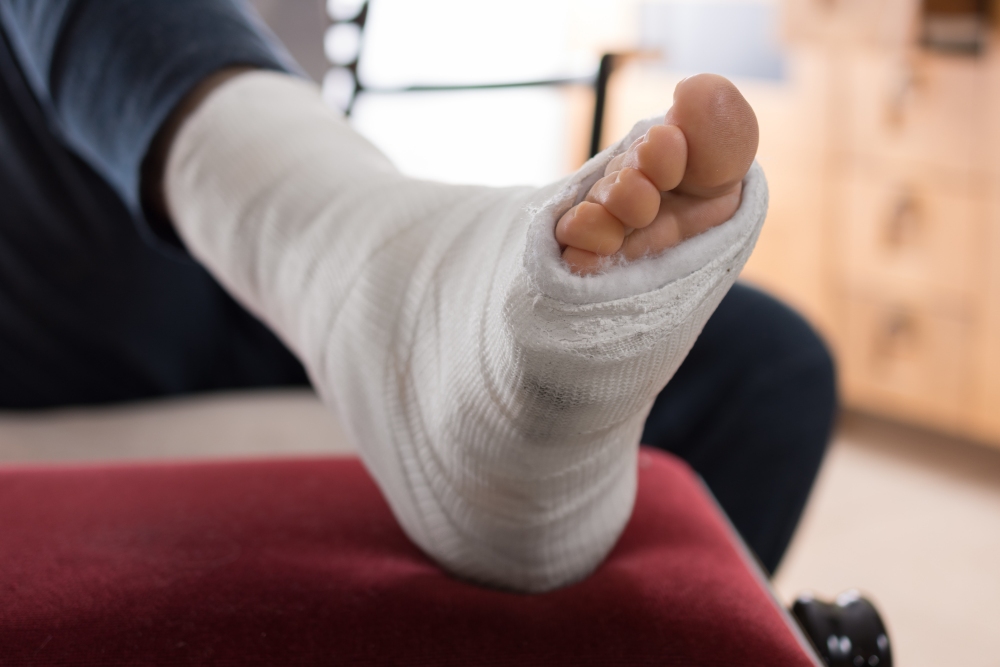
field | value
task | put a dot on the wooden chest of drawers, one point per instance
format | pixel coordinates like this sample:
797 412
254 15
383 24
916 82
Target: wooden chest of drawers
912 225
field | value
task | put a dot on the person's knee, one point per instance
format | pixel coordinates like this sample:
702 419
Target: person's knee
786 340
790 370
815 367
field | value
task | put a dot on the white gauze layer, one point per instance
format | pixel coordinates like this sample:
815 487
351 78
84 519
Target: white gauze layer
496 398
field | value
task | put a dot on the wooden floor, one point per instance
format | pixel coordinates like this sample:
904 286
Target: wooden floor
910 518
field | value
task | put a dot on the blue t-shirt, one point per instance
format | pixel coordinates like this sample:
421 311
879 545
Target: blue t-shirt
93 306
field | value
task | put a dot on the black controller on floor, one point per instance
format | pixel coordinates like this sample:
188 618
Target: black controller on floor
847 632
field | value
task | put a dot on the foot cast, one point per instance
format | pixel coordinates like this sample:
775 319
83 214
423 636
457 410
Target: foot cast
493 353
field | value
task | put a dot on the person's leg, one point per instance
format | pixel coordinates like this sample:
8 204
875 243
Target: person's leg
751 410
495 393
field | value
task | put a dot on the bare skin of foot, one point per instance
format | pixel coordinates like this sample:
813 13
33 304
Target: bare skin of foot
676 181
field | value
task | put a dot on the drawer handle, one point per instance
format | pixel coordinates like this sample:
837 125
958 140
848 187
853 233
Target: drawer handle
897 333
904 223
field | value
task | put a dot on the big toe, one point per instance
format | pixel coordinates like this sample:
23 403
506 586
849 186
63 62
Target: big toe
721 131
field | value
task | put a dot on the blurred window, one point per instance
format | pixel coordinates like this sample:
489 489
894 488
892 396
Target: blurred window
736 38
494 137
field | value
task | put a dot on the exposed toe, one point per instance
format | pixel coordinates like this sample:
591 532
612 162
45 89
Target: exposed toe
589 226
721 132
629 196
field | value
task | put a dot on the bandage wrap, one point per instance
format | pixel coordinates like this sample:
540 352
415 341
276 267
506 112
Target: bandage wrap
497 398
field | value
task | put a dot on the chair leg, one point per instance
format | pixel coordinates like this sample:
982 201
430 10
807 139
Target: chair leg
604 71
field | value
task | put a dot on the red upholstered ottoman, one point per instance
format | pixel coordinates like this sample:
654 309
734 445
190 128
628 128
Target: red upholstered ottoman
300 562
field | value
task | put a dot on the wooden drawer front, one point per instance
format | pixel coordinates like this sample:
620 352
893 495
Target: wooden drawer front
884 23
912 236
905 361
926 109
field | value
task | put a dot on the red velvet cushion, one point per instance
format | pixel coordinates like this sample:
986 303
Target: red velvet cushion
300 563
